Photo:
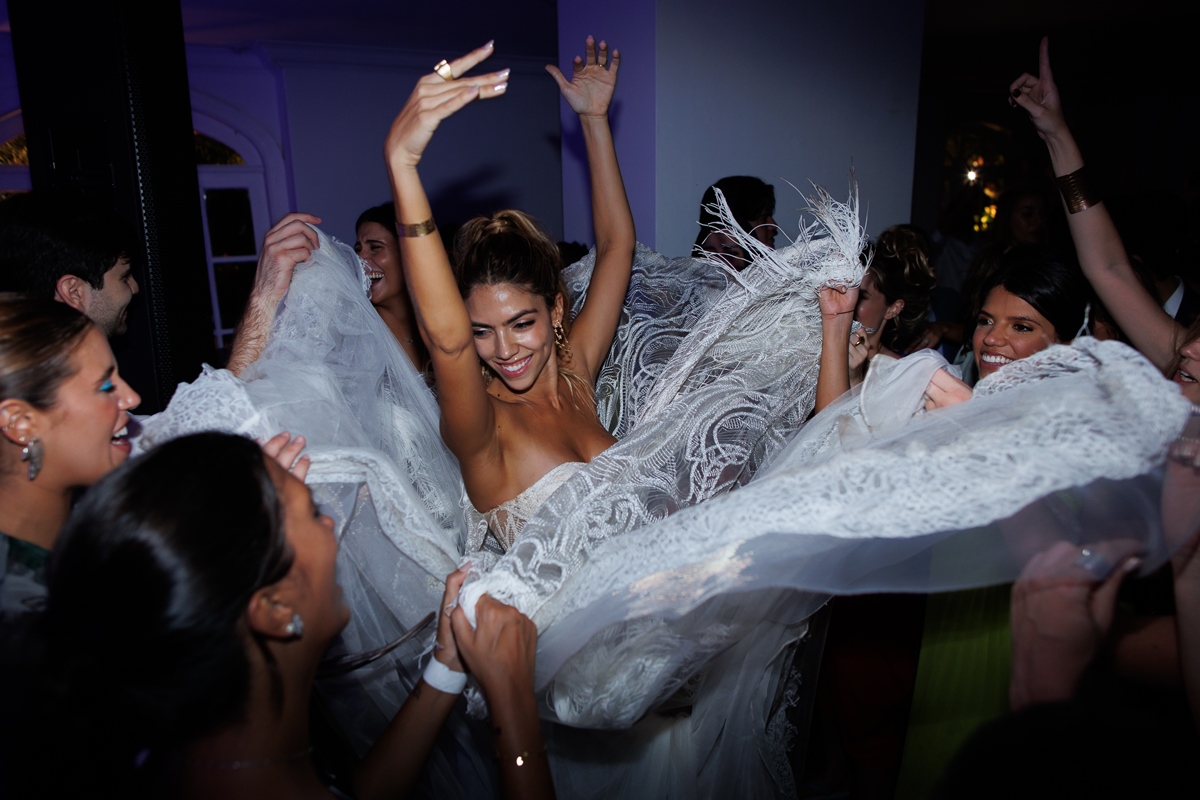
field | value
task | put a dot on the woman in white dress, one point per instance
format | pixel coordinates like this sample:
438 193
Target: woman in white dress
517 423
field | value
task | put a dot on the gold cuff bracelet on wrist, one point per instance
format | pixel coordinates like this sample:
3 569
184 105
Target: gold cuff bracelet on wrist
1077 191
413 231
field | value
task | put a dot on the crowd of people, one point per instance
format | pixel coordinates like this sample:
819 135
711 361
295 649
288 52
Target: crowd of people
165 618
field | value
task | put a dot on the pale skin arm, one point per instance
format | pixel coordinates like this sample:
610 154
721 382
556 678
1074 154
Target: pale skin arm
468 424
395 761
837 315
290 242
589 93
1097 243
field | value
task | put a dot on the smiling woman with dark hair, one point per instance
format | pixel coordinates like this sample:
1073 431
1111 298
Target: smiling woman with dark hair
375 243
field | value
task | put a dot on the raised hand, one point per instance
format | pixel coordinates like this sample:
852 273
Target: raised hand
590 90
1039 96
290 242
837 300
434 99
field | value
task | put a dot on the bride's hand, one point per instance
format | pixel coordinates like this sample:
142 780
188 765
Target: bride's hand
433 100
590 90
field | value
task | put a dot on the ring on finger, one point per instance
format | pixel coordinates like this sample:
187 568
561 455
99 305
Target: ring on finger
444 71
1094 563
857 339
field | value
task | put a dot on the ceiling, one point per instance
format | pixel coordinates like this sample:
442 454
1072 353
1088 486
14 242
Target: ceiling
520 27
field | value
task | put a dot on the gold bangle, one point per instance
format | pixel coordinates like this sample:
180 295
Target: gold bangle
1076 191
413 231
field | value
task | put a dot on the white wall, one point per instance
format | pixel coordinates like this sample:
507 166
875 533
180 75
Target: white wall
780 89
786 91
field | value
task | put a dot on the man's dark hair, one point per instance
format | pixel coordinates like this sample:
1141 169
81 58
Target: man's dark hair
43 237
749 198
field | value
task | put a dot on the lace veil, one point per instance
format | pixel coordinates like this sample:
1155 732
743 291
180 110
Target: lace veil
676 567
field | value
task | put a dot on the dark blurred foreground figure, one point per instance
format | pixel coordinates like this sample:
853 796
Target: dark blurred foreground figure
191 597
753 205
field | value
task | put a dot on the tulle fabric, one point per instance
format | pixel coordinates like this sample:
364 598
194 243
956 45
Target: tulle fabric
670 576
333 372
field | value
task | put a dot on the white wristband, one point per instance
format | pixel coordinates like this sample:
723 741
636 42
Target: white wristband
444 679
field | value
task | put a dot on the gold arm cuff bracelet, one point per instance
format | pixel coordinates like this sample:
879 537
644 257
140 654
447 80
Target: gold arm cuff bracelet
1076 191
413 231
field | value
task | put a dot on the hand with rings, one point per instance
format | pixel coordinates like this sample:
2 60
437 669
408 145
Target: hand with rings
1062 609
437 96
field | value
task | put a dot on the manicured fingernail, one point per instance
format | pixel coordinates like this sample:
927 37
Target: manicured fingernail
491 43
1133 564
504 73
500 87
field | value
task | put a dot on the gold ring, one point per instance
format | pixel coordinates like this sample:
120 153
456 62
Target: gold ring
444 71
857 339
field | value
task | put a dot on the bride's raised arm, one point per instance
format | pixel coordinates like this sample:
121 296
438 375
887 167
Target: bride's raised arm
442 319
589 93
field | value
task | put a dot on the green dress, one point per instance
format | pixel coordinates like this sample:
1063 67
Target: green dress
23 580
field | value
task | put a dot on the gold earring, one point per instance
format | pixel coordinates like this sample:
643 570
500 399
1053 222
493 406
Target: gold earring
561 343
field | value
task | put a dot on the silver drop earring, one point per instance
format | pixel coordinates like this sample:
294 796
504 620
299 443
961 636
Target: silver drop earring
33 453
295 628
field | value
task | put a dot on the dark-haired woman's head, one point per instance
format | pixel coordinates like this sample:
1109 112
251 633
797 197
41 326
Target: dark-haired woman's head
508 272
172 586
375 242
752 203
894 294
60 394
1029 302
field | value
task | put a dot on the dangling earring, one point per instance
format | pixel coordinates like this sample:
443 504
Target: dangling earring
560 342
33 453
295 628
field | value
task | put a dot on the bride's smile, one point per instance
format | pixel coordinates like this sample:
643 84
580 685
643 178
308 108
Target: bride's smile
513 332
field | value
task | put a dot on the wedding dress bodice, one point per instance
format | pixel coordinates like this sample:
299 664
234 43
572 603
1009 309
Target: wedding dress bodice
506 520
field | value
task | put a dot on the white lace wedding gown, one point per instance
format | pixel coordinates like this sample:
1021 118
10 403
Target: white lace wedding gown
676 567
